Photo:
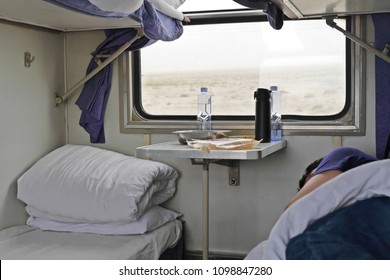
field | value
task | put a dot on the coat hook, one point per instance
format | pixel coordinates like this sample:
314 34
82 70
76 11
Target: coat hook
28 59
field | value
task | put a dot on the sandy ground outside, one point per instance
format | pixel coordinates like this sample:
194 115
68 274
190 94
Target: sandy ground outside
311 91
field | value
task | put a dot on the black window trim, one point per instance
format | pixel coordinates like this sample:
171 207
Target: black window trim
137 88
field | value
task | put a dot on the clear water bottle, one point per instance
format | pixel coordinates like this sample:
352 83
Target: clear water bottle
276 117
204 110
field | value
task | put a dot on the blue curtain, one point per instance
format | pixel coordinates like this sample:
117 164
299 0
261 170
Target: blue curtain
382 69
93 98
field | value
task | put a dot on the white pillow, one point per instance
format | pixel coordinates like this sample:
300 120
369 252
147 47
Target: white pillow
87 184
122 6
153 218
169 8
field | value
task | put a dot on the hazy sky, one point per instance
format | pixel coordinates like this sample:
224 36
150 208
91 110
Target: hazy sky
246 45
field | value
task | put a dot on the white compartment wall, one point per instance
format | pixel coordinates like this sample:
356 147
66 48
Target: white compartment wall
30 124
240 217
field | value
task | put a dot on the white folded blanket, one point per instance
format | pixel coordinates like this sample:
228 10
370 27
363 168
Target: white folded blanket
87 184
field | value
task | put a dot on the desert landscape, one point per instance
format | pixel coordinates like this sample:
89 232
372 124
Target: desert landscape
310 91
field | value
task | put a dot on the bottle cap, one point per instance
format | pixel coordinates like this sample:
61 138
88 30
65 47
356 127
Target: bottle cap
274 88
203 89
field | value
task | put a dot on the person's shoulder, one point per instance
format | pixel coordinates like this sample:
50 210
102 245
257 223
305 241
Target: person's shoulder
346 151
342 153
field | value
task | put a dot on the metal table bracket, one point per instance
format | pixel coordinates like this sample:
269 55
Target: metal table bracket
233 171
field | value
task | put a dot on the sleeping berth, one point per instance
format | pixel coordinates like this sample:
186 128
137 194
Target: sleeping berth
29 243
89 203
44 14
85 202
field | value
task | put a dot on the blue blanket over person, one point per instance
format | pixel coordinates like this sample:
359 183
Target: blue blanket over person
358 231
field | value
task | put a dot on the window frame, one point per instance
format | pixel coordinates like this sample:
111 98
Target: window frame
350 121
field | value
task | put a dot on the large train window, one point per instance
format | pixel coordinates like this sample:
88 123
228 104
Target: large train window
312 65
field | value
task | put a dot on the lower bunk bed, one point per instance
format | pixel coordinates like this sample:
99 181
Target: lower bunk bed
89 203
28 243
347 218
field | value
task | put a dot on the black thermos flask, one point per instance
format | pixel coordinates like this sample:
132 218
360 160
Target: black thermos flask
263 115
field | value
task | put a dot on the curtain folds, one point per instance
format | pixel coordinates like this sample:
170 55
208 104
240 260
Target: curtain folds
93 98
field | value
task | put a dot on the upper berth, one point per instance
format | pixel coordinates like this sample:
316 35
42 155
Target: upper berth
44 14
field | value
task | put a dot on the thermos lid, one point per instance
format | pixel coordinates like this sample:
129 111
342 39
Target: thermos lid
262 93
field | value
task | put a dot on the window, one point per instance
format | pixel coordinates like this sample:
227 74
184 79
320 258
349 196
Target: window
311 64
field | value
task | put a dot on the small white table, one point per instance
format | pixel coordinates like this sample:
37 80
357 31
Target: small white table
229 158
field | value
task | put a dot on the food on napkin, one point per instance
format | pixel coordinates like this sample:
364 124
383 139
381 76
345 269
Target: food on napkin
223 144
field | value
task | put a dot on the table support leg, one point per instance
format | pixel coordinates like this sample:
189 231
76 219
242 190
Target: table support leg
206 210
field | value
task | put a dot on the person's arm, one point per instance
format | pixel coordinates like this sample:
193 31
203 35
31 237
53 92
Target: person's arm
313 183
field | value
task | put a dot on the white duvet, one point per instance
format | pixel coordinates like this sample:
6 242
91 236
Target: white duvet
86 184
122 6
366 181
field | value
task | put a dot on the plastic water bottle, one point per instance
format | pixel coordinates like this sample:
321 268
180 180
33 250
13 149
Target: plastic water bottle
204 110
276 117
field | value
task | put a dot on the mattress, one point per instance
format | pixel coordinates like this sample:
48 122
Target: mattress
28 243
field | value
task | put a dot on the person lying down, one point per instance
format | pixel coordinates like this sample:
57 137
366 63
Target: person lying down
324 169
340 214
